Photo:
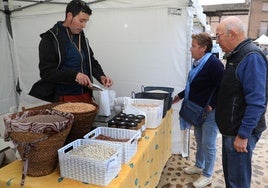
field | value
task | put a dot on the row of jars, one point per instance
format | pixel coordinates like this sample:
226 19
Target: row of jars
127 121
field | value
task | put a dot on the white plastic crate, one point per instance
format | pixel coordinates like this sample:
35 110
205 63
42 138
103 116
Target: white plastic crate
153 109
89 170
129 148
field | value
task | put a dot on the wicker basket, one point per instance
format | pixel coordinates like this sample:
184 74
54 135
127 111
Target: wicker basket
42 107
82 121
82 124
38 150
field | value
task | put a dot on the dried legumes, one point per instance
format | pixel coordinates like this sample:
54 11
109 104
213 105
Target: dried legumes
94 151
75 107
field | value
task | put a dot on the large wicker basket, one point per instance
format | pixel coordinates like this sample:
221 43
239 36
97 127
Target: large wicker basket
82 124
82 121
38 150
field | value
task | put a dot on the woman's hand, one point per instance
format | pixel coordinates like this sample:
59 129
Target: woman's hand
209 108
176 99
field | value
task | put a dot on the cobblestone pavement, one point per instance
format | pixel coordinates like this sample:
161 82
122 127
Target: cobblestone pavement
173 176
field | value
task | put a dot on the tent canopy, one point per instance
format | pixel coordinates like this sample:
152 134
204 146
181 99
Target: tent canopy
137 42
145 36
262 40
17 5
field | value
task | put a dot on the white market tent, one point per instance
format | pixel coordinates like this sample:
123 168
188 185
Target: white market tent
262 40
137 42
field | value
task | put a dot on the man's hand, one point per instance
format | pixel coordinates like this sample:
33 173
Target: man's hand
106 81
83 79
240 144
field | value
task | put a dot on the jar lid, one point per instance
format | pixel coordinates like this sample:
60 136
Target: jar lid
111 122
117 118
122 123
140 116
137 120
127 119
131 116
121 114
132 124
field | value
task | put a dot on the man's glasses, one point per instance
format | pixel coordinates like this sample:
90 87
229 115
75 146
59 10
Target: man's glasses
218 36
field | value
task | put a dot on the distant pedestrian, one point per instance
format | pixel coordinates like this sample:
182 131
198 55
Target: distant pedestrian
265 51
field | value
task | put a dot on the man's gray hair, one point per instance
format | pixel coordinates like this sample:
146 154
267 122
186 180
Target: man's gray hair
234 23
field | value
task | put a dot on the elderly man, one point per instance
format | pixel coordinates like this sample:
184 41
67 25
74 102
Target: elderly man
242 101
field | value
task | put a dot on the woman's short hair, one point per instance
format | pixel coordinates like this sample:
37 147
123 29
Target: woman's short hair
203 39
76 6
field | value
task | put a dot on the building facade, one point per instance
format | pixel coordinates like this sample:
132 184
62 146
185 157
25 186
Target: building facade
253 13
215 13
258 18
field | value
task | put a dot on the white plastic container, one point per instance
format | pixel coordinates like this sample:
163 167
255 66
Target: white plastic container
129 148
152 108
86 169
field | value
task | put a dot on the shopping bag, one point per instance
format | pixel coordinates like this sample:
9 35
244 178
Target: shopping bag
192 113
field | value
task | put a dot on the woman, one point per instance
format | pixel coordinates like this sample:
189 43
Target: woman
204 78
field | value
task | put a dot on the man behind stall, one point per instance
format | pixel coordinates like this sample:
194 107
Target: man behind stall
66 61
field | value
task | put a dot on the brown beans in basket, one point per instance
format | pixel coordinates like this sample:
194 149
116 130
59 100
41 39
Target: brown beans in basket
75 107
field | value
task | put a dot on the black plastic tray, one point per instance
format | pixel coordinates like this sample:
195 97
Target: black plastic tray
158 96
170 90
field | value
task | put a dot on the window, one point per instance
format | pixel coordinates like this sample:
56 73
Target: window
264 28
264 6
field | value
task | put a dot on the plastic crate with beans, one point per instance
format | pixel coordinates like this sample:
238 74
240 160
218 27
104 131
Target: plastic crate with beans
127 138
90 161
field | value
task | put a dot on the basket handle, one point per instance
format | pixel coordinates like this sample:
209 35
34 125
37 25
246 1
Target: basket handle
27 146
68 149
90 135
135 138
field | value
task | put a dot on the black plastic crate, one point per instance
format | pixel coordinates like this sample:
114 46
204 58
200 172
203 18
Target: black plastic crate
158 96
170 90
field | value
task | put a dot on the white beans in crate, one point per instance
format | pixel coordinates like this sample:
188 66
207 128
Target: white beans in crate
85 169
129 148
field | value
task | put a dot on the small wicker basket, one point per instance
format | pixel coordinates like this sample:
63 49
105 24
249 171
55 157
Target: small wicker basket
38 150
82 121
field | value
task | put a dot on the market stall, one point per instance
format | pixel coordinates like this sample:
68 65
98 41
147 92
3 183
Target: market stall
138 43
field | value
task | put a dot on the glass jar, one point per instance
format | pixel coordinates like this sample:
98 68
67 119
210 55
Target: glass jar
122 115
142 124
122 125
141 117
117 118
112 123
130 116
132 125
127 119
137 120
